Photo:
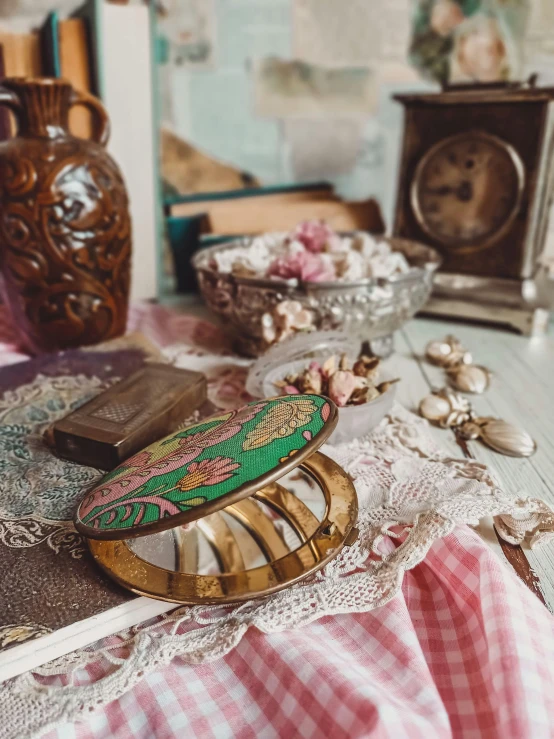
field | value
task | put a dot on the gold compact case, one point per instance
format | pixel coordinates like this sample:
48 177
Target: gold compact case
237 506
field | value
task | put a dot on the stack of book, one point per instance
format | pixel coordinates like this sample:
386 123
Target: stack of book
105 49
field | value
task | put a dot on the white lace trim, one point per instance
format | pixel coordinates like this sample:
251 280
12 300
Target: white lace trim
402 480
536 528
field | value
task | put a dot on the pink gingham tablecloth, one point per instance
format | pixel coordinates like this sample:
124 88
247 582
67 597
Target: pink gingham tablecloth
464 650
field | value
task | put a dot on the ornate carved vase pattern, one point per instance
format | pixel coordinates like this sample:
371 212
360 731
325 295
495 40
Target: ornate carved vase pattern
65 232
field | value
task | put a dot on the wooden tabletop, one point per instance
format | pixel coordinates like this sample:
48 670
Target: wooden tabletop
521 392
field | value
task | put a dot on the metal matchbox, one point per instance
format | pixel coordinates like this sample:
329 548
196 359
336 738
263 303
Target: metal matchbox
131 414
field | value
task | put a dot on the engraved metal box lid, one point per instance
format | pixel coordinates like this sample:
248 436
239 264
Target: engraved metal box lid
130 415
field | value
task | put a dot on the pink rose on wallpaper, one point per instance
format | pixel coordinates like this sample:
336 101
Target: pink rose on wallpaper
314 235
445 16
304 266
480 53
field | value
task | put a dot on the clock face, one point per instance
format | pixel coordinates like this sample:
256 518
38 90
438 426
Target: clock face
467 190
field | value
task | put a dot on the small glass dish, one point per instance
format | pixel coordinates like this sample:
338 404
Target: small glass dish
295 354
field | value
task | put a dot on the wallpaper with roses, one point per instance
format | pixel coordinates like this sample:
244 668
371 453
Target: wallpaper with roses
469 40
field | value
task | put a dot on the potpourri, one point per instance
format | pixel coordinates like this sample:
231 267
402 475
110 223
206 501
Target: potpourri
313 252
335 379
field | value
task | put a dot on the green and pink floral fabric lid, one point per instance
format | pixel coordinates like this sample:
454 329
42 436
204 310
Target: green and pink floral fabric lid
206 467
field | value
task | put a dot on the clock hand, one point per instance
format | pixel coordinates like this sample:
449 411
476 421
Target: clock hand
464 191
443 190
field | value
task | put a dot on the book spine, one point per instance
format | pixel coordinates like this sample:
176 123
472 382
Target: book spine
91 12
50 45
246 193
5 125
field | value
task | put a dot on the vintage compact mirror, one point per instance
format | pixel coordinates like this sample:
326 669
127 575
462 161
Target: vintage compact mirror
237 506
476 184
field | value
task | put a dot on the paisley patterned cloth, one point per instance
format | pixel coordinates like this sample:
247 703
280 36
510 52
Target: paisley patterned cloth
34 395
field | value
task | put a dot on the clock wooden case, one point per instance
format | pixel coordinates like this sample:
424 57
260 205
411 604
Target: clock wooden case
476 177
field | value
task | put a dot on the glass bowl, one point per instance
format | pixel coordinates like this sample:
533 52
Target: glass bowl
354 420
370 309
295 354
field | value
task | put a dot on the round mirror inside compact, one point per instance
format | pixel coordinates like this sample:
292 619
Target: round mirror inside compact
280 534
272 523
238 506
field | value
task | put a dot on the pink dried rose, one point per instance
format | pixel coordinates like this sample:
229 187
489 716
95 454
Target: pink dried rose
311 381
314 235
445 16
303 266
342 384
337 380
291 390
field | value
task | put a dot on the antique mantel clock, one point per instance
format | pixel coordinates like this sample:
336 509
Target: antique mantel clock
476 183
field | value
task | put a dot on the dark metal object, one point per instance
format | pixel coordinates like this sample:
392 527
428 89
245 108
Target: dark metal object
494 274
144 407
520 117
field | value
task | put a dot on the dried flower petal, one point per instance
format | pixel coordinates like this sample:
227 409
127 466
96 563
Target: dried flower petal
338 383
313 252
341 386
291 390
343 362
287 317
269 330
366 366
310 381
304 266
384 386
364 395
329 366
314 235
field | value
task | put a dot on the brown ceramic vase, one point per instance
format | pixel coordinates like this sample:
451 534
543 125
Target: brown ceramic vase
65 232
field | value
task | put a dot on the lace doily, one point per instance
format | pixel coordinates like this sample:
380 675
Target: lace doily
410 495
